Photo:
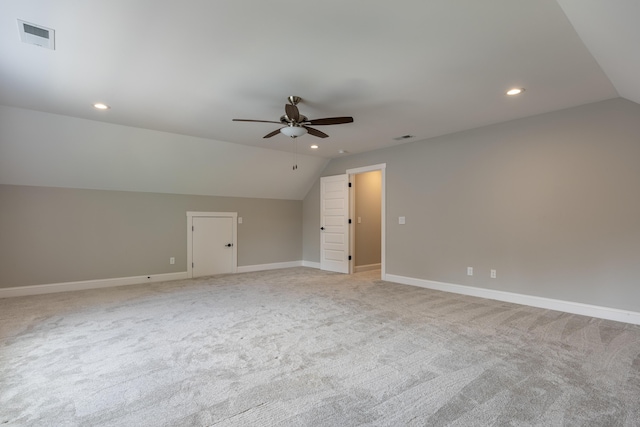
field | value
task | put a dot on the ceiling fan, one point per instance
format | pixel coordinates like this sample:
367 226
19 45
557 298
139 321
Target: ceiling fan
296 124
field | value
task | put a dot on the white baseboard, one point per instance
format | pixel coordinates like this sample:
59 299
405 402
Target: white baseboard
540 302
273 266
20 291
311 264
361 268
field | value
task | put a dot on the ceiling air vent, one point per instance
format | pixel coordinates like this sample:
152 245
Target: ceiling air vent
403 137
36 34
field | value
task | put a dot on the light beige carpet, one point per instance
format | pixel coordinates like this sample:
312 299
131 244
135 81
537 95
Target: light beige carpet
299 347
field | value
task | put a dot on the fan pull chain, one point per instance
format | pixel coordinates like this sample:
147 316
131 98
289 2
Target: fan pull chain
295 154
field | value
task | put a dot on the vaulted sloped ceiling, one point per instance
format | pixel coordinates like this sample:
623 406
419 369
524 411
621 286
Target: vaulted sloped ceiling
176 73
611 32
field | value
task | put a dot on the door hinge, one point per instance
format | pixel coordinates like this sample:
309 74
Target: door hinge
349 257
349 185
349 220
192 228
191 265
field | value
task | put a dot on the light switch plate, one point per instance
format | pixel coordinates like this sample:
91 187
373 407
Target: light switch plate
401 220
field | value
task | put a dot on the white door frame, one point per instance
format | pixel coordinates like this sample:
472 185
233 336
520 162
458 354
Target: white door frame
234 221
383 208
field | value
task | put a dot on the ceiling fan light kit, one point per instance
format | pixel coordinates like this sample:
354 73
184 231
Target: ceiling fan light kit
296 124
293 131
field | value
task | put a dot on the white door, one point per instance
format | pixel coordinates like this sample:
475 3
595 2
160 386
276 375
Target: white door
334 223
212 246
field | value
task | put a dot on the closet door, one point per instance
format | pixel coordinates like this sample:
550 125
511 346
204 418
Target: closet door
212 244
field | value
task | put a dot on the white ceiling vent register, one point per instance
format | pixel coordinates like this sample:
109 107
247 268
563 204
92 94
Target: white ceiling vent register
36 34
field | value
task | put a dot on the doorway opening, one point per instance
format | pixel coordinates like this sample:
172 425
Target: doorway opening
367 212
366 220
337 225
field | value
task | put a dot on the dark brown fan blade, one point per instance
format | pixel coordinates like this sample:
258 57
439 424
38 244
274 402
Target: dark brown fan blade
292 112
274 133
315 132
258 121
330 121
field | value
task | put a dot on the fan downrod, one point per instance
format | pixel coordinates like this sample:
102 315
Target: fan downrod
294 100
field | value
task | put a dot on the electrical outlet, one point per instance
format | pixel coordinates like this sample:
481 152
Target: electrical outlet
493 274
469 271
172 260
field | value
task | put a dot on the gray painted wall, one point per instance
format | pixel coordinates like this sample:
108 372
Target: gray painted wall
368 210
55 235
551 202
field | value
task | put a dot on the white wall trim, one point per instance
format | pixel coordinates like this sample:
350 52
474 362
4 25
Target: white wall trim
533 301
20 291
311 264
368 267
352 224
371 168
273 266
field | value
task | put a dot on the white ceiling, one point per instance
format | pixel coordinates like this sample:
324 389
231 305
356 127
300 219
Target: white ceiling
424 68
611 32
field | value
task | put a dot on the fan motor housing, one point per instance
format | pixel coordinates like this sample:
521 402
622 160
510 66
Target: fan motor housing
284 119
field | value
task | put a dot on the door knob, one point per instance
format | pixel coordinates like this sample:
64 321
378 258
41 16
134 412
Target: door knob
229 245
321 228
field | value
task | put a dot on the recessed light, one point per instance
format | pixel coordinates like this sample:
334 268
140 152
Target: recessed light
314 147
343 152
100 106
515 91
